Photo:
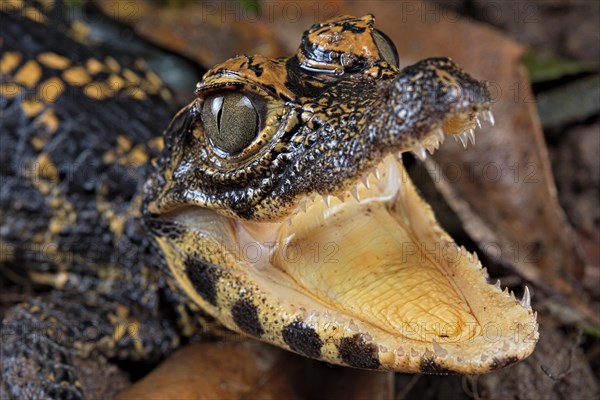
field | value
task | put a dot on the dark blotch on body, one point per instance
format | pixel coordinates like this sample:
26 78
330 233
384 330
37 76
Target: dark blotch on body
245 315
355 352
302 339
204 277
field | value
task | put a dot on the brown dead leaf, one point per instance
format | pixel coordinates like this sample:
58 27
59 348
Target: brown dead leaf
247 369
208 33
231 370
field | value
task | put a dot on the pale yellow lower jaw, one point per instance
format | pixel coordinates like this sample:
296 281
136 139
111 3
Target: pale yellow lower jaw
381 271
373 268
382 261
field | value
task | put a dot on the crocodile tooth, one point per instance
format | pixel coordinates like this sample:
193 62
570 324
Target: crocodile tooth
526 300
354 193
512 294
463 139
365 181
505 291
488 117
478 122
475 257
326 199
341 197
498 285
419 151
439 134
303 206
484 271
376 173
471 136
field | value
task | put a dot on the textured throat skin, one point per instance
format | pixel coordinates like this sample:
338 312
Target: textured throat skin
308 234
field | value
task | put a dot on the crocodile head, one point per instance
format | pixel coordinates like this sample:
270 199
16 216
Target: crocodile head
282 208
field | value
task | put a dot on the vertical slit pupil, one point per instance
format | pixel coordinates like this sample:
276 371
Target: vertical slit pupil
231 121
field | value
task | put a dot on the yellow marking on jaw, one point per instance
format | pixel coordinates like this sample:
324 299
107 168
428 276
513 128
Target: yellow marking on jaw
53 60
7 251
154 80
117 224
131 76
9 61
45 168
115 82
165 94
122 323
31 107
51 89
138 156
9 90
112 64
57 280
55 227
124 144
109 157
157 143
141 64
47 4
8 6
76 76
29 74
49 120
94 66
138 94
97 91
37 142
79 30
34 15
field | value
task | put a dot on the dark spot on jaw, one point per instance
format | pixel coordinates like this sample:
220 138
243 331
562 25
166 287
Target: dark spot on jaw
257 69
245 315
355 352
348 26
271 87
501 363
203 276
430 366
302 339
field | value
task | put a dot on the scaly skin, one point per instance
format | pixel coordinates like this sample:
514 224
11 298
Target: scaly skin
148 256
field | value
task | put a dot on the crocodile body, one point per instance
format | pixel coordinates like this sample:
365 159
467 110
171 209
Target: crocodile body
79 124
142 255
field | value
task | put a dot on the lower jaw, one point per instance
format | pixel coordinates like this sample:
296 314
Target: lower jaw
374 278
382 268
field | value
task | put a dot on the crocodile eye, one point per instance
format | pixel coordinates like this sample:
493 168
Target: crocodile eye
230 121
386 47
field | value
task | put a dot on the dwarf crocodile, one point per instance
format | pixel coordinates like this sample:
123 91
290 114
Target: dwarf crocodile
275 205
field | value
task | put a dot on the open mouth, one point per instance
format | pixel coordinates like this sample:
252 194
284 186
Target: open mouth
371 265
